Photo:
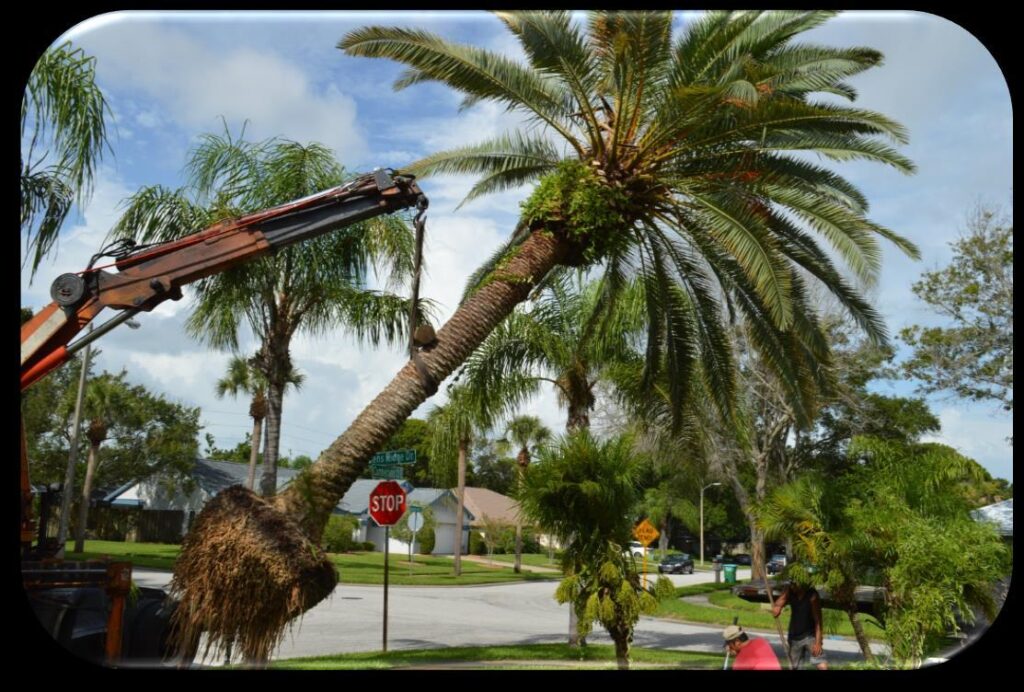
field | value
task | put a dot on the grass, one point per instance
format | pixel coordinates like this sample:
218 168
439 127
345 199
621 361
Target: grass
353 568
725 606
531 559
535 656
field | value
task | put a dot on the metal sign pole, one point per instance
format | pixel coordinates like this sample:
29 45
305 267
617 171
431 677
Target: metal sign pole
387 536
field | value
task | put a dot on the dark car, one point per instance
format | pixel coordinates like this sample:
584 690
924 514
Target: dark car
740 559
776 564
676 564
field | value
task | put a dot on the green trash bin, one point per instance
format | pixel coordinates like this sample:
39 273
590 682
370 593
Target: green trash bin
730 573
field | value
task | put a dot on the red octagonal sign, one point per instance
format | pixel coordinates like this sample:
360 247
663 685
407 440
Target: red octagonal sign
387 503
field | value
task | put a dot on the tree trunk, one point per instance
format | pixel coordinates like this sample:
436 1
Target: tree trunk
311 501
858 632
579 418
83 510
457 546
275 399
523 461
621 640
254 455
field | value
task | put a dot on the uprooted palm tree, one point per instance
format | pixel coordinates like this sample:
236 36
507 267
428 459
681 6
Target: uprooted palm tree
243 378
682 164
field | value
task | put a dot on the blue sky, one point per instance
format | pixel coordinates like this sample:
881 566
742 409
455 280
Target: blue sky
170 77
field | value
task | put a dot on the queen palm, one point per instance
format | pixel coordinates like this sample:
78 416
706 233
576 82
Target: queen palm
680 163
310 288
525 432
243 378
63 132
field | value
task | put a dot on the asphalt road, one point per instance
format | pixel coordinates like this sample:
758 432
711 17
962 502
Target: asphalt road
433 617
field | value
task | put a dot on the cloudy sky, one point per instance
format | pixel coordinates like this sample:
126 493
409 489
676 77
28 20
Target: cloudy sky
170 77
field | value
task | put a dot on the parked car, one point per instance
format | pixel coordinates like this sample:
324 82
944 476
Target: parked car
637 549
740 559
776 564
676 564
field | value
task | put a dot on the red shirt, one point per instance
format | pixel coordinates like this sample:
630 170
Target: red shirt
756 655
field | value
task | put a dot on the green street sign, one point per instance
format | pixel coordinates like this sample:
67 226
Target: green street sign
391 472
394 457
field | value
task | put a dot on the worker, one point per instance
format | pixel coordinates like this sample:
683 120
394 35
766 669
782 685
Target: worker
805 629
752 653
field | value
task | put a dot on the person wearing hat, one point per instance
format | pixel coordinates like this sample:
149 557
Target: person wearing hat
751 653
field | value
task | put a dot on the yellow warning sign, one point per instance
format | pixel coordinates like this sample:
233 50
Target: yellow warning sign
645 532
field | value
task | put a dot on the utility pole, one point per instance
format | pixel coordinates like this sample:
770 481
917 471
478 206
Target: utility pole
702 520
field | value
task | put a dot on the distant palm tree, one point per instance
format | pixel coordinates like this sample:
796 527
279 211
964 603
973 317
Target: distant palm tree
453 426
311 288
104 400
525 432
63 133
243 378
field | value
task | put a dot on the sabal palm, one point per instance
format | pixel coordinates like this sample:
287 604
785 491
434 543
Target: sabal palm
682 164
566 338
525 432
310 288
243 378
63 132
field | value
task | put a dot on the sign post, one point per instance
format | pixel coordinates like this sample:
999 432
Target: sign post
646 534
387 505
415 524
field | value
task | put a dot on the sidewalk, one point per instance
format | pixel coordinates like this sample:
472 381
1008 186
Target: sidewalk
482 559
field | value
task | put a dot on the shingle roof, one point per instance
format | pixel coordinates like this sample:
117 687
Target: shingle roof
484 502
214 476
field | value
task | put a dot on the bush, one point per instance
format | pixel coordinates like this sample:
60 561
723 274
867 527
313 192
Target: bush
476 543
337 536
368 546
425 538
664 589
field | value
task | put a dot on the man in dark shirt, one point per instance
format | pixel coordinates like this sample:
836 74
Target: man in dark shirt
805 631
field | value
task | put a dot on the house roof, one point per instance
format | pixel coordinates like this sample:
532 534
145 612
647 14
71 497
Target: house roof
214 476
357 499
484 502
1000 513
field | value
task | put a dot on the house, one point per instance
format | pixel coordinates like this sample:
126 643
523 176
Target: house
166 510
442 503
488 504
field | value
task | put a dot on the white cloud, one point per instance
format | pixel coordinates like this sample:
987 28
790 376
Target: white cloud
194 84
979 436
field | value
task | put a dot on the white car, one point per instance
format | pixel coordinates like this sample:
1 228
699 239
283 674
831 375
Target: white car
637 549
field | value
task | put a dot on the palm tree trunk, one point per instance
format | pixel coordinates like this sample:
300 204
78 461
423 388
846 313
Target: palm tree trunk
517 567
83 510
311 501
275 399
457 545
858 632
254 455
621 640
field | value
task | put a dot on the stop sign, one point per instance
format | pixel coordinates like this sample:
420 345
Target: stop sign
387 503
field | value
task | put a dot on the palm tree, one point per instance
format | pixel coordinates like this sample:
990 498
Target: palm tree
682 164
453 426
524 432
308 288
567 338
104 400
243 378
583 491
63 133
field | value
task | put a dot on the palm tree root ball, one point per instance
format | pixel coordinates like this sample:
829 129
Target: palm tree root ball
245 572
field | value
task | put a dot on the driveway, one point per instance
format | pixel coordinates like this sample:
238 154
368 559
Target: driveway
435 617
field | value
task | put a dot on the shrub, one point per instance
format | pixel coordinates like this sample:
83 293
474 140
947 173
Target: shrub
425 538
337 536
664 589
367 546
476 543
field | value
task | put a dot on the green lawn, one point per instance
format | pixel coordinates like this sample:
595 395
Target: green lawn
752 615
353 568
531 559
542 656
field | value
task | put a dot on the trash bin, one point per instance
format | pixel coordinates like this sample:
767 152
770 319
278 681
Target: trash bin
730 573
